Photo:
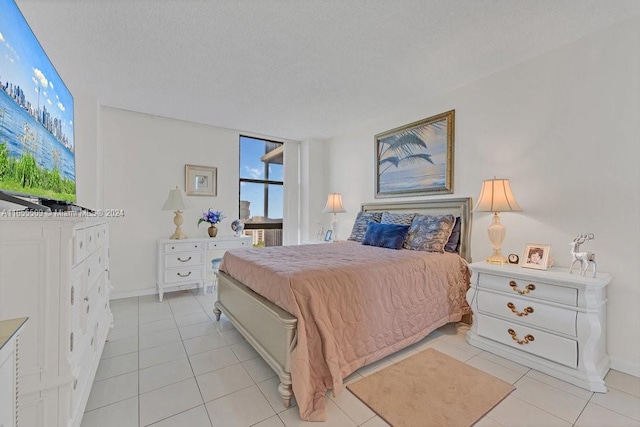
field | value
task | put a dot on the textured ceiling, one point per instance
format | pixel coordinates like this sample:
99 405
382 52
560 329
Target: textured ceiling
297 69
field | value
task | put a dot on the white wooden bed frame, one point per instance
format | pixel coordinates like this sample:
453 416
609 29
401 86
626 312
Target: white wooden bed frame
272 331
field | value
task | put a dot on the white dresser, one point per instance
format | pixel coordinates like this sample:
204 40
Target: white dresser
186 263
550 320
9 355
55 271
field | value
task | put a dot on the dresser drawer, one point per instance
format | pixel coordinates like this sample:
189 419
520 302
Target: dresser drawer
531 340
177 275
529 289
529 312
229 244
79 246
183 259
182 247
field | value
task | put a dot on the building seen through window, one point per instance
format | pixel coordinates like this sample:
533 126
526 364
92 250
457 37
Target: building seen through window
262 190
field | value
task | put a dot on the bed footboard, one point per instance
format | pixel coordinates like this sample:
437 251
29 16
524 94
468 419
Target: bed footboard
268 328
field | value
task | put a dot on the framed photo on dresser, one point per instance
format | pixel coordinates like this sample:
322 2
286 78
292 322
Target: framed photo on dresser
536 256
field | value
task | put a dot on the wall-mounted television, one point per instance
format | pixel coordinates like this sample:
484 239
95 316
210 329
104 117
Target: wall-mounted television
37 149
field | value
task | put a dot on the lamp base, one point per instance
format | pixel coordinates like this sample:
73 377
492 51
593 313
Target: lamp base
177 220
497 259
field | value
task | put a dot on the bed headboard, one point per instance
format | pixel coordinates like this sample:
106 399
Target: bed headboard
457 207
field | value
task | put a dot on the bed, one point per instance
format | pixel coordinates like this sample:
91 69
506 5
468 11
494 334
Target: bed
316 313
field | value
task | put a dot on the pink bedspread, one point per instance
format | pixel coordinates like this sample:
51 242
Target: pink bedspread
355 304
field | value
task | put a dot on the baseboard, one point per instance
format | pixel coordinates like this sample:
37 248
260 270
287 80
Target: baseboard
625 366
131 294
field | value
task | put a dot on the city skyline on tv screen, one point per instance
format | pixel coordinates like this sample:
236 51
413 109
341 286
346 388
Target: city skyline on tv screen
37 147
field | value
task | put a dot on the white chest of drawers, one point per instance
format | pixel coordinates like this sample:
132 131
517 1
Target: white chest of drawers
55 271
186 263
551 320
9 332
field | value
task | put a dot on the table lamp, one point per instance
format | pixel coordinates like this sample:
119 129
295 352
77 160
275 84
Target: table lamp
334 206
496 197
175 203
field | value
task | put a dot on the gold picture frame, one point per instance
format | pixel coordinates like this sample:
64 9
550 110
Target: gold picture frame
416 159
536 256
200 180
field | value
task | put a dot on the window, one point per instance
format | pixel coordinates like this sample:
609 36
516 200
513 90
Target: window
262 189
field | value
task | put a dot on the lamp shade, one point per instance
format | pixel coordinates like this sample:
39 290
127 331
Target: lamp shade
174 201
496 196
334 204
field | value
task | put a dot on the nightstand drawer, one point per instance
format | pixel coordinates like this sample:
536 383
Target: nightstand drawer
531 340
182 247
529 289
176 275
229 244
183 259
529 312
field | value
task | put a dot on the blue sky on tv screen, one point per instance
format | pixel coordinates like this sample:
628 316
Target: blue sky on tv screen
24 64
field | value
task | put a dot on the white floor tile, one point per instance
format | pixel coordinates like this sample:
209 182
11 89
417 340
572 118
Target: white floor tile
161 354
157 326
211 360
487 422
352 406
620 402
192 318
154 312
504 362
623 382
196 417
559 384
258 369
597 416
513 412
120 347
274 421
112 390
376 422
456 351
491 368
232 336
335 417
269 389
555 401
244 351
205 343
162 375
121 414
240 409
374 367
117 365
198 330
157 339
167 401
221 382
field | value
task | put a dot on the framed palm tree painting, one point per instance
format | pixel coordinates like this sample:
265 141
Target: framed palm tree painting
416 159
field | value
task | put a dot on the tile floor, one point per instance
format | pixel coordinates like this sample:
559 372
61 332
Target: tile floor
170 364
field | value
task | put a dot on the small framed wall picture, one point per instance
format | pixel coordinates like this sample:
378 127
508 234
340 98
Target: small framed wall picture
327 235
200 180
535 256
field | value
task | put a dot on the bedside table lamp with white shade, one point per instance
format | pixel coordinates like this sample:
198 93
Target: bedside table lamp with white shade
334 206
176 203
496 197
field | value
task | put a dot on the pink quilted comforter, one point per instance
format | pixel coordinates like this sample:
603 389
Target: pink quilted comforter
355 304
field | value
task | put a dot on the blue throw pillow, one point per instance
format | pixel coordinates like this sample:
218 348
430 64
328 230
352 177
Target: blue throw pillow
389 236
453 245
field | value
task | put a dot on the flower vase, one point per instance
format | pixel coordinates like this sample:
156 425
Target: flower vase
213 231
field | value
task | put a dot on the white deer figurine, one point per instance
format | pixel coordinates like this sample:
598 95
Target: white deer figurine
585 258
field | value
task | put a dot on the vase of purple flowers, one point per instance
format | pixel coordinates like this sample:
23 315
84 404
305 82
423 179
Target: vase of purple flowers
212 217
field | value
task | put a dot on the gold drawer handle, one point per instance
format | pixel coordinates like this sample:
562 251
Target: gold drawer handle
527 311
529 288
184 275
184 260
527 339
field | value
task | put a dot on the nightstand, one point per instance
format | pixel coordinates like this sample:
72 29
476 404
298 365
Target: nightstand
550 320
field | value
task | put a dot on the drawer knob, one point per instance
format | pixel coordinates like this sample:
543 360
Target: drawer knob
527 339
529 288
184 275
525 312
184 260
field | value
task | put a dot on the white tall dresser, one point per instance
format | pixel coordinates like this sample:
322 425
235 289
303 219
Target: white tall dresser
54 270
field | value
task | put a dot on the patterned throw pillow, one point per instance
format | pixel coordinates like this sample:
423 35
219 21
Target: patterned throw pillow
360 226
429 233
397 218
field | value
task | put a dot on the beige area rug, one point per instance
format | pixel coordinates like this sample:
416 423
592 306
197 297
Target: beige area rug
431 389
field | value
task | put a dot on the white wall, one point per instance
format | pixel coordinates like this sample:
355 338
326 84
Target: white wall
565 129
144 157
